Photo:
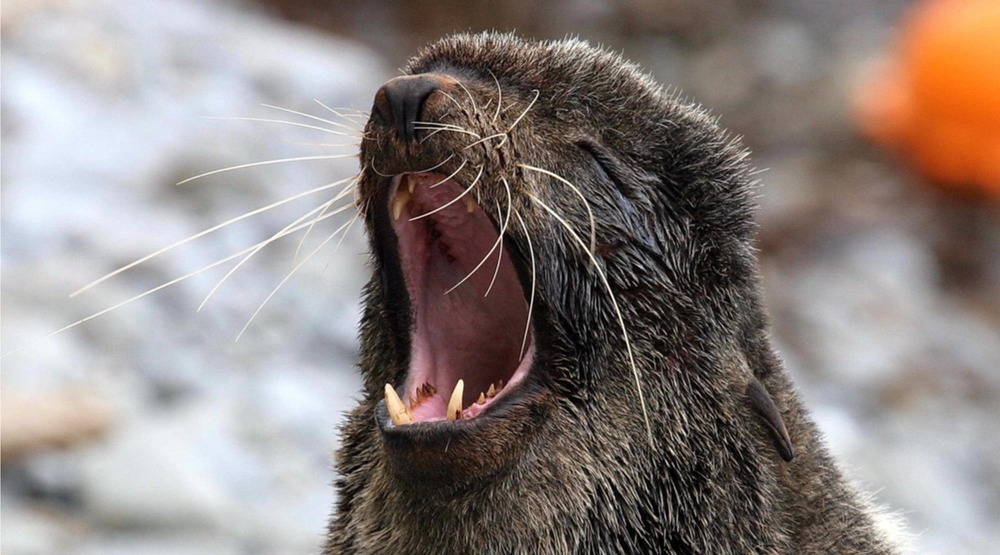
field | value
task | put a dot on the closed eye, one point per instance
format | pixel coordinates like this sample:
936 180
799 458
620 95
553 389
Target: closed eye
608 165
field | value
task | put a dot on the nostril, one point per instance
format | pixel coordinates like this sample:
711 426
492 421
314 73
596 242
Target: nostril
401 100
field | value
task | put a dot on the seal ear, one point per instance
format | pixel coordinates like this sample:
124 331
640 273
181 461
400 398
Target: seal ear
764 406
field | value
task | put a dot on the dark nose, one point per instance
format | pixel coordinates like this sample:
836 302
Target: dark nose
401 100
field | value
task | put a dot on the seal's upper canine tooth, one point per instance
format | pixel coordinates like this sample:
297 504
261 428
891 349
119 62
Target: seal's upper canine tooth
455 404
397 410
470 204
399 201
411 182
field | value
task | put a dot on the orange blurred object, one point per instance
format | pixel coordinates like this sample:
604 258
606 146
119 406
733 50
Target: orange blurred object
937 101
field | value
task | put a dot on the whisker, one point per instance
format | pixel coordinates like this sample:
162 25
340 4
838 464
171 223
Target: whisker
439 164
531 301
452 129
475 110
484 139
499 96
292 123
206 232
614 303
266 163
496 271
289 276
453 174
496 243
353 146
290 228
431 134
359 114
503 229
452 201
341 240
348 188
579 193
506 134
142 295
452 98
312 117
378 173
438 124
525 112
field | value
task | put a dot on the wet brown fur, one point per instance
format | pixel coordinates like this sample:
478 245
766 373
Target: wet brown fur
579 469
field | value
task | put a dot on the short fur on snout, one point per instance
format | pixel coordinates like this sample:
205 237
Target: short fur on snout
655 416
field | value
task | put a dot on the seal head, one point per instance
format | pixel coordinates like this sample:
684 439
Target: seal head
563 343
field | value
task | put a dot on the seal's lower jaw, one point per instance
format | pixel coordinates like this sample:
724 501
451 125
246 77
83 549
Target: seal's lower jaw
465 395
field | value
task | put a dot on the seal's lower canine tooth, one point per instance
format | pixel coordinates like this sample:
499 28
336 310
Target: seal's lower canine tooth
397 410
455 404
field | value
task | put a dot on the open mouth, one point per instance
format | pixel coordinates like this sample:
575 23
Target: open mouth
471 337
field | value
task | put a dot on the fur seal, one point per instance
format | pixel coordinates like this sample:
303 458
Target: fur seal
563 344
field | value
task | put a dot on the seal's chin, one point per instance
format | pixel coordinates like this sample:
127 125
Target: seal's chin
471 338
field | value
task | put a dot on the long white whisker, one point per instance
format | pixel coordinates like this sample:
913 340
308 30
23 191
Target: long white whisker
205 232
452 98
439 164
341 240
452 129
145 294
320 211
586 204
499 96
289 276
429 135
484 139
348 188
453 174
469 94
359 114
452 201
312 117
503 229
496 270
291 123
531 301
290 228
524 113
614 303
437 124
353 146
488 254
266 163
378 173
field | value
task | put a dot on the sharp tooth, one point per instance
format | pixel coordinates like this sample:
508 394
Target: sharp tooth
402 197
455 404
482 399
410 183
423 392
397 411
470 204
491 392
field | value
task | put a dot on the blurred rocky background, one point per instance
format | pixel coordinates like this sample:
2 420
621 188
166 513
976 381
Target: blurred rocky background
149 430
